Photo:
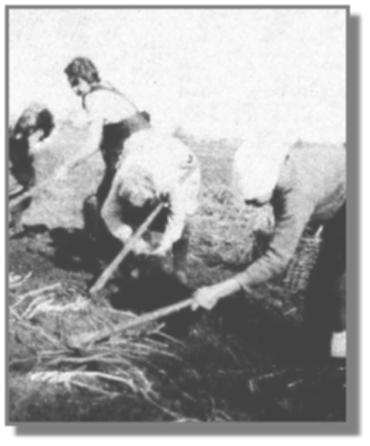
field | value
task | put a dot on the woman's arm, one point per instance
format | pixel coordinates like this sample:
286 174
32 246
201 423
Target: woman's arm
112 215
291 219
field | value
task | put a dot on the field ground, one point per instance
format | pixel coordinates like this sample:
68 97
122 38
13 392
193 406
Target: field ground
240 362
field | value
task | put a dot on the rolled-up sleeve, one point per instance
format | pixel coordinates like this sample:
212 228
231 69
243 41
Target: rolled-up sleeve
292 213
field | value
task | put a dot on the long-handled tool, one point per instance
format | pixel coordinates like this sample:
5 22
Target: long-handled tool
111 268
31 192
152 316
89 340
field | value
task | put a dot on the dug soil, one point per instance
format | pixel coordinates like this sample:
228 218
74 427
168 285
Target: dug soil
243 361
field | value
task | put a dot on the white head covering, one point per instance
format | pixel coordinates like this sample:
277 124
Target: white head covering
168 162
256 165
155 153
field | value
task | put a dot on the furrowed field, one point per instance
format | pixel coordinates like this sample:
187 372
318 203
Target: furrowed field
240 362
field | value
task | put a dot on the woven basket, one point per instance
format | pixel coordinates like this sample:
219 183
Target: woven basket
299 270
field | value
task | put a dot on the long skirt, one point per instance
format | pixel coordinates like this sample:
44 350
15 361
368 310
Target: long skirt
325 306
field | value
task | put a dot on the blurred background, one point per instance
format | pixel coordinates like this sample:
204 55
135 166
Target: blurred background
212 73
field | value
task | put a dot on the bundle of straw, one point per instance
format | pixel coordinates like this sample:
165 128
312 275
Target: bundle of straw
43 324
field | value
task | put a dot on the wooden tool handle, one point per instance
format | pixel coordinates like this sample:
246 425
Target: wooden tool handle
137 321
111 268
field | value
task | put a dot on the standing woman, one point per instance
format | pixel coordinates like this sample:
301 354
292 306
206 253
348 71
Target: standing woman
304 184
33 126
112 118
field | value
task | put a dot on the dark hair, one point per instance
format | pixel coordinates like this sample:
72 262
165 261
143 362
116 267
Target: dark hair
45 121
83 67
35 117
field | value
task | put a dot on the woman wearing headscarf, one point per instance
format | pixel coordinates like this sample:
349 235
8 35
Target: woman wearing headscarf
304 184
155 168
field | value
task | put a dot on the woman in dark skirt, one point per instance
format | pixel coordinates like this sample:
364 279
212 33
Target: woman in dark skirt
112 119
304 184
35 124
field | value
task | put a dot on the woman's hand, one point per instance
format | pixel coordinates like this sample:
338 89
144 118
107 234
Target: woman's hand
207 297
161 251
141 248
122 232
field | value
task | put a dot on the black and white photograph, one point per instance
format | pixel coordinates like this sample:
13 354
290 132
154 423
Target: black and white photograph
176 214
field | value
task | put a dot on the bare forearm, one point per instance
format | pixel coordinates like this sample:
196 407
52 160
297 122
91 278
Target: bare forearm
229 287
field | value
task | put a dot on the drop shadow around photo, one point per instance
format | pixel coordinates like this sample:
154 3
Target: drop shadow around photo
351 426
